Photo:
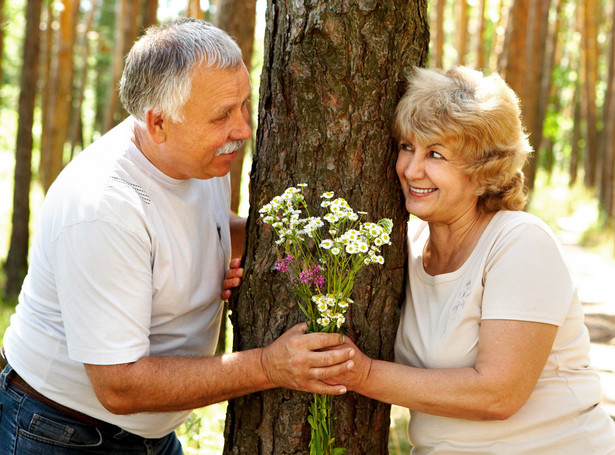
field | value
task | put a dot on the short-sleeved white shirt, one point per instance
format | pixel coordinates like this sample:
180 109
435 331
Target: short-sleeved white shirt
126 263
517 272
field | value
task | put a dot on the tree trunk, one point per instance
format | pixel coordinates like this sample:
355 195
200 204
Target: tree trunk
150 10
539 82
76 124
126 31
330 84
438 54
53 157
194 9
47 88
1 45
480 45
461 26
590 47
523 63
17 261
514 61
575 153
497 56
238 18
608 133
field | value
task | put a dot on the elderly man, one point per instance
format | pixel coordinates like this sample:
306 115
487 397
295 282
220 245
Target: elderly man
112 341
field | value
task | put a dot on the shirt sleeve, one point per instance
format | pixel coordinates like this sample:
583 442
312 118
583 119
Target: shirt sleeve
526 277
104 283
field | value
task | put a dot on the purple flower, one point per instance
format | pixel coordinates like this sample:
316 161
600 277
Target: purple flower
282 264
312 276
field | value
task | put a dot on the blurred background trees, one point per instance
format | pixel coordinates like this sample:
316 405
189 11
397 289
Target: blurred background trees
557 55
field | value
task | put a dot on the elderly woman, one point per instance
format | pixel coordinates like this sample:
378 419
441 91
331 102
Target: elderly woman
492 356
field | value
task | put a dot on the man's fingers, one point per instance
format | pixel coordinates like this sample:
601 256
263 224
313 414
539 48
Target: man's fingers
326 389
231 283
234 273
329 358
318 340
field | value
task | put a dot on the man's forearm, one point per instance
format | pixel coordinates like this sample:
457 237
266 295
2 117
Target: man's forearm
160 384
296 360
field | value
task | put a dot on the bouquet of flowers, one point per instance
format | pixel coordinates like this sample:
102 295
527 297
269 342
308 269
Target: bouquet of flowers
322 261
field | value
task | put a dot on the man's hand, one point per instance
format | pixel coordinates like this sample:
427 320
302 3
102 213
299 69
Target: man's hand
303 361
232 279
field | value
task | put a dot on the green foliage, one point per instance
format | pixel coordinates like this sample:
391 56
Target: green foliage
14 26
203 432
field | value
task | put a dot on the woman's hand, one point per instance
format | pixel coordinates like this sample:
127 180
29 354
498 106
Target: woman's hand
356 376
232 278
307 361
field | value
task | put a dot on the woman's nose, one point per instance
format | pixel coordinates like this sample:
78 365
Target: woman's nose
414 167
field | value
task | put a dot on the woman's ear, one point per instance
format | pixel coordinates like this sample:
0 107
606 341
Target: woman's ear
156 126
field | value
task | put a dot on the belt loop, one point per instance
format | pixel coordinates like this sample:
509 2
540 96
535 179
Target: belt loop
4 375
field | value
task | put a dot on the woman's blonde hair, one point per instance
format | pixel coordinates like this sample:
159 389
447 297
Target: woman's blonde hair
477 115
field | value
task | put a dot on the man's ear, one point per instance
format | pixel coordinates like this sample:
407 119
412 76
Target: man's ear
156 127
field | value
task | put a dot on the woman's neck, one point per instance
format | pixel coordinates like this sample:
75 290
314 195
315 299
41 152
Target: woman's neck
449 245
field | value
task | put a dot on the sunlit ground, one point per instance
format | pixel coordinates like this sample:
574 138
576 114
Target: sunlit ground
203 433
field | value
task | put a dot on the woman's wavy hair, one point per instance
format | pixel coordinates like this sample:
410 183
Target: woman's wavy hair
157 69
479 116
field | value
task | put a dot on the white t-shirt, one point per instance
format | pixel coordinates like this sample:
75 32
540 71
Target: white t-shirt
126 263
516 272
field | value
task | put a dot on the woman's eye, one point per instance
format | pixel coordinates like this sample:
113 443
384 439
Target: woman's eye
436 155
405 147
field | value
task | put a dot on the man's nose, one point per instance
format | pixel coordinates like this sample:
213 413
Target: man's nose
242 129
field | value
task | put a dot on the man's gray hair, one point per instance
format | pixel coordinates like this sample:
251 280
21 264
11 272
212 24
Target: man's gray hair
156 73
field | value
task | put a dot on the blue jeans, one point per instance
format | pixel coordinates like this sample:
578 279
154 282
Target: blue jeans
30 427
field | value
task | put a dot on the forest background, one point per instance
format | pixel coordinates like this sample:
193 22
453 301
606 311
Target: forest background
61 60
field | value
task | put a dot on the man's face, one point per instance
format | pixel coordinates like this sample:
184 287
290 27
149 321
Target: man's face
215 115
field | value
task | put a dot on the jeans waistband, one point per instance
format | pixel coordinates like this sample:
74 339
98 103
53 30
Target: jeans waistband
10 376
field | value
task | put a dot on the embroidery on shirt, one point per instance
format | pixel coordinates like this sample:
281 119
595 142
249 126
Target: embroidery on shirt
461 300
140 191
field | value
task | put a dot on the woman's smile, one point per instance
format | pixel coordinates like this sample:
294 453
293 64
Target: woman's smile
421 191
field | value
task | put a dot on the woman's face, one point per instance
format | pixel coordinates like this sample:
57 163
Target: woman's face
435 186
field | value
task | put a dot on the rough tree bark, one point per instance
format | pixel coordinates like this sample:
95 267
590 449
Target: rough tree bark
17 263
332 76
